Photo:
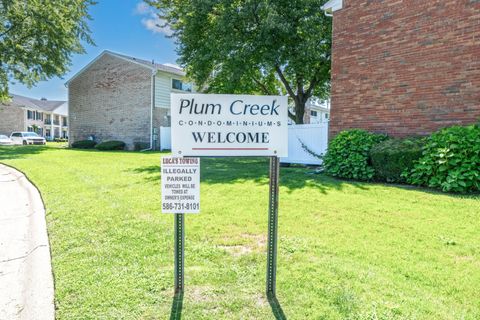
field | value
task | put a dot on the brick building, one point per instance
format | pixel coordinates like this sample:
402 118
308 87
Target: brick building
404 67
47 118
117 97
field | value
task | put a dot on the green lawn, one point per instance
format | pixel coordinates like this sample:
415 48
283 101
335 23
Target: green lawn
346 250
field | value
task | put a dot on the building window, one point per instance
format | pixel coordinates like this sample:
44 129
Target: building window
47 132
180 85
34 115
313 113
64 122
30 129
326 116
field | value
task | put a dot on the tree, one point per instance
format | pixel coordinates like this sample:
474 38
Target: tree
38 38
253 46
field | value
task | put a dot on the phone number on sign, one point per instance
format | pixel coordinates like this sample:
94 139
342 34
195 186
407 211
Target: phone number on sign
180 206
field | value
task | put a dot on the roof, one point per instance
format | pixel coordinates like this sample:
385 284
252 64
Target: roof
155 67
31 103
332 5
320 108
318 104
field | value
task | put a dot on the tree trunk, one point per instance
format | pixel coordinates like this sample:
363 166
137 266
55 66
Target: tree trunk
299 110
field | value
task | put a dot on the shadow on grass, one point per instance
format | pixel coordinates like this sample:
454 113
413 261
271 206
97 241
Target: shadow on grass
177 306
20 152
409 187
234 170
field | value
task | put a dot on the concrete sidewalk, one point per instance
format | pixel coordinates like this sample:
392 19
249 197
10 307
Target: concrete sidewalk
26 281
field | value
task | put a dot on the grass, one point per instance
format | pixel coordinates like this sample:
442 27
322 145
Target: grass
346 250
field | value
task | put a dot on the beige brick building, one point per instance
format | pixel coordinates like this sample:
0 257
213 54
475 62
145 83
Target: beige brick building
47 118
117 97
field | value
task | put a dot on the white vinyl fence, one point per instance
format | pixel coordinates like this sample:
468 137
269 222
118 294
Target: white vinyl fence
165 138
305 139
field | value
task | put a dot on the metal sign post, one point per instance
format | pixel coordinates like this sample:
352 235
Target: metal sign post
271 279
272 238
179 252
272 227
179 265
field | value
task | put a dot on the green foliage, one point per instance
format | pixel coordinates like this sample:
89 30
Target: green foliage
251 46
38 38
392 157
138 146
348 154
84 144
111 145
450 161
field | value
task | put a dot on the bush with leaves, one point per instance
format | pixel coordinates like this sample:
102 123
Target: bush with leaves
348 154
111 145
139 146
450 161
84 144
392 157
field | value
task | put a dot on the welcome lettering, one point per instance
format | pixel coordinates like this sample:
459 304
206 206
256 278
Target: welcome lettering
231 137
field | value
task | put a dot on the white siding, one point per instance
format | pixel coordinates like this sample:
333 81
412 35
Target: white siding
163 88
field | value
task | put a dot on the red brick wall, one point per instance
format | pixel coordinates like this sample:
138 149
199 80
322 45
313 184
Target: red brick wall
405 67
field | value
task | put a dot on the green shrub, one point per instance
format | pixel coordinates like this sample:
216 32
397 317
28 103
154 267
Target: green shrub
450 161
348 154
390 158
111 145
138 146
84 144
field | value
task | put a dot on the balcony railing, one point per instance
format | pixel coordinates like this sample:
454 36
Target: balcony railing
47 121
56 122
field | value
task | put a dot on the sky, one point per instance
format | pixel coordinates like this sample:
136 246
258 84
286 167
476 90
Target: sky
123 26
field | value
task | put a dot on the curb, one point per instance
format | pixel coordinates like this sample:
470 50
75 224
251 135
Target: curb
34 277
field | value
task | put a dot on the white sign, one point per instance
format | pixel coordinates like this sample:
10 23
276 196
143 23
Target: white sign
180 185
229 125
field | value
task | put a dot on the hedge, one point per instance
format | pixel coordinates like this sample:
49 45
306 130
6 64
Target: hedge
84 144
138 146
450 161
391 158
348 154
110 145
